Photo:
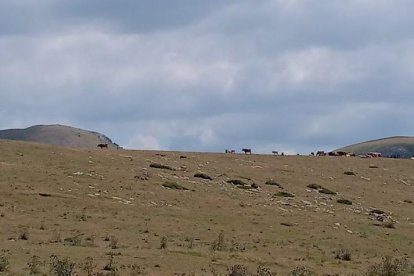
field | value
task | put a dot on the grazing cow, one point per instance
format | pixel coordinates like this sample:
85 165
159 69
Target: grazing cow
102 146
230 151
247 151
320 153
275 152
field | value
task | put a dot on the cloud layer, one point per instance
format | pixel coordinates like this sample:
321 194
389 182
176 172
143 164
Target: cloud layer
293 76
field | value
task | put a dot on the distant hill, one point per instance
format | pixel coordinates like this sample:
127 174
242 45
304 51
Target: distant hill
58 135
397 147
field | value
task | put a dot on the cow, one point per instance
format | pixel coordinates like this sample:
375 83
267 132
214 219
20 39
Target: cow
320 153
230 151
102 146
275 152
247 151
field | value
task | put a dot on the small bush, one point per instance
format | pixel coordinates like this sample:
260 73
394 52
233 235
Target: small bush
273 183
113 242
164 242
344 201
111 265
4 261
219 244
203 175
239 270
24 234
33 265
408 201
237 182
315 186
389 267
327 191
61 267
389 225
73 241
160 166
88 266
264 271
284 194
349 173
343 254
301 271
174 186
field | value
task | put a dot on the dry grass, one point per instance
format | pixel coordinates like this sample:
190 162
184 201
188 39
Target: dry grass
96 207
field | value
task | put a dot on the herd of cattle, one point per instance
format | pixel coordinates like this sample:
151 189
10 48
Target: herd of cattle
319 153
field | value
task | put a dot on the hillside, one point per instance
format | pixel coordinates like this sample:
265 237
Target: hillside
399 147
58 135
149 212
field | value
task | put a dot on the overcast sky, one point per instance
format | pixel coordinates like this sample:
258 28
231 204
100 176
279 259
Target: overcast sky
206 75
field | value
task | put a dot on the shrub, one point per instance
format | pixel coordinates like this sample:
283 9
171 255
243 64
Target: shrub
164 241
4 261
111 265
73 241
24 234
264 271
219 244
344 201
61 267
389 267
327 191
349 173
113 242
88 266
388 224
237 182
174 186
33 265
343 254
160 166
273 183
315 186
284 194
301 271
203 175
239 270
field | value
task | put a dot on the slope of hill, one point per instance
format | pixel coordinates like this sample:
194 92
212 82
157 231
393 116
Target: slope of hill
58 135
400 147
155 213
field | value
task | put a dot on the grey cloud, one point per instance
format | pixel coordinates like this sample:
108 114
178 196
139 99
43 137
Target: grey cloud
192 75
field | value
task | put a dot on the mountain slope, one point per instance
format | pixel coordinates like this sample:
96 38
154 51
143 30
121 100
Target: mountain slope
58 135
399 146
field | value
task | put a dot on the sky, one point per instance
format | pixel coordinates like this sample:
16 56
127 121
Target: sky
195 75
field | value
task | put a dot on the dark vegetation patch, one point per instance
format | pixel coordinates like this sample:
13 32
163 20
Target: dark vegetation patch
390 267
203 175
343 254
344 201
284 194
237 182
349 173
174 186
408 201
321 189
161 166
273 183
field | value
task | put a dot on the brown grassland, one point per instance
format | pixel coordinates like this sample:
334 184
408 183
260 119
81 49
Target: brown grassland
147 211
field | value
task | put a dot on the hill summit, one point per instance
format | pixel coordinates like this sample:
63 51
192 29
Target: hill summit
59 135
394 147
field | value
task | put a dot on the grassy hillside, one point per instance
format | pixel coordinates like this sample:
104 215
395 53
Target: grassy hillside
58 135
148 212
402 147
